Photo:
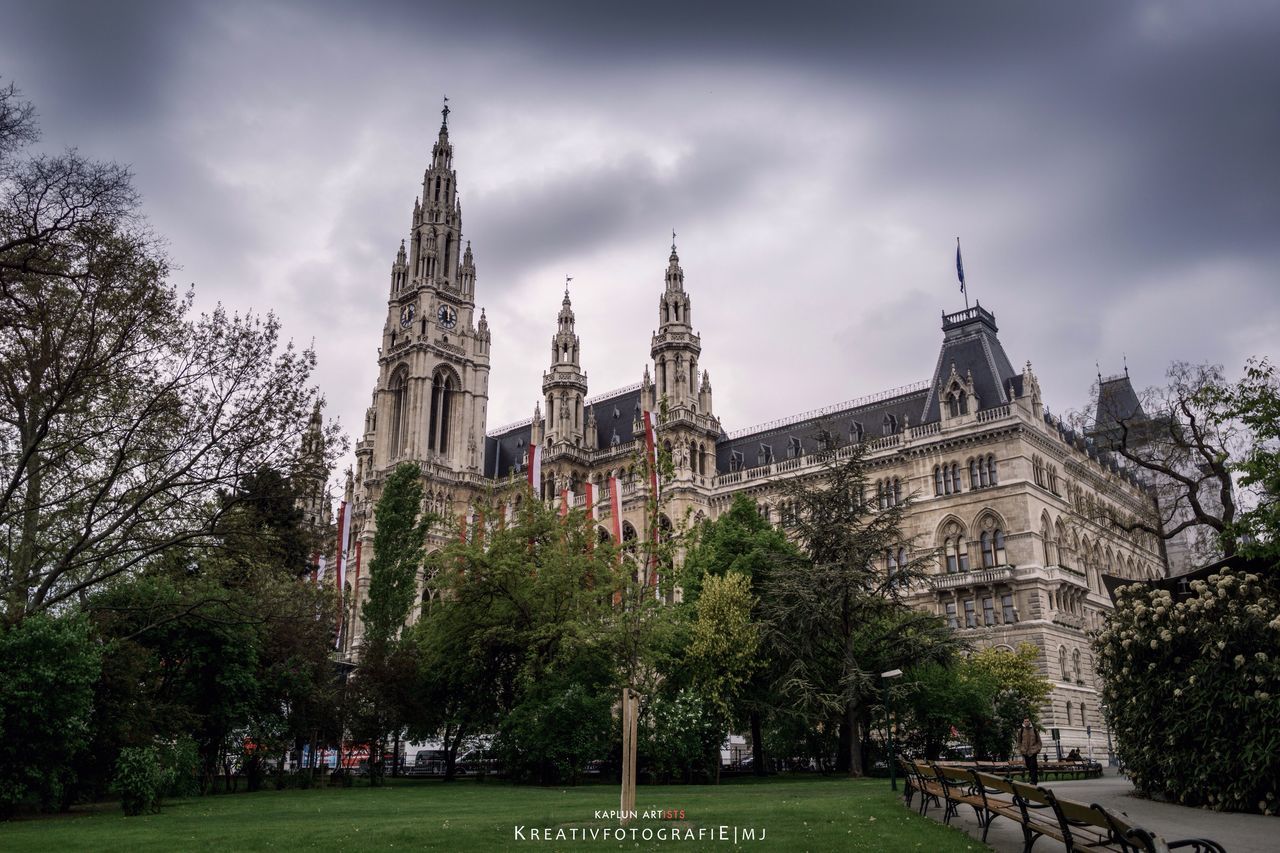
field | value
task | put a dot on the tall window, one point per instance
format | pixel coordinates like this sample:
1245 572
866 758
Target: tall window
955 478
938 487
988 611
1062 663
952 622
970 614
973 475
855 432
897 491
441 410
1075 666
992 548
399 412
1069 721
991 471
1006 606
953 565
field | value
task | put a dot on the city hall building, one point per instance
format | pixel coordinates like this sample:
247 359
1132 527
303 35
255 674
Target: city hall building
1001 491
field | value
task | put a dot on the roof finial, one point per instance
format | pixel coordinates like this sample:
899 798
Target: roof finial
1098 368
444 113
1125 358
673 239
567 279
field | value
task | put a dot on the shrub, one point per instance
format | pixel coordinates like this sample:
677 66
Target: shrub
139 779
679 737
1192 691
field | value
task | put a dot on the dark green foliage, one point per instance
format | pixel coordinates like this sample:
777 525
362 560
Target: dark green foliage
554 732
1192 689
47 670
679 738
139 779
398 551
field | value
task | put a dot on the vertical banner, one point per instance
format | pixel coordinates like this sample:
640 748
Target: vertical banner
340 566
462 527
615 508
480 529
591 502
315 568
651 451
321 565
564 502
535 470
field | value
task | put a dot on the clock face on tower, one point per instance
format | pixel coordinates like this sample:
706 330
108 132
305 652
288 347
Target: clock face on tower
447 316
406 314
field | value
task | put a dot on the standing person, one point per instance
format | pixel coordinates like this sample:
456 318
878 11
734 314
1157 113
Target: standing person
1029 745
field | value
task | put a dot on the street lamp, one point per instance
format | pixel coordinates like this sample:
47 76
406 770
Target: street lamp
888 711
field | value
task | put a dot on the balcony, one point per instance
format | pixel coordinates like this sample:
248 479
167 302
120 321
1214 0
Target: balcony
982 577
1068 620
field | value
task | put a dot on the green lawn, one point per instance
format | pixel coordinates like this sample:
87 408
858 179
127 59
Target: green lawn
794 814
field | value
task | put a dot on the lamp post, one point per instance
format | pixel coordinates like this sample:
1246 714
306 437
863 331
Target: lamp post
888 713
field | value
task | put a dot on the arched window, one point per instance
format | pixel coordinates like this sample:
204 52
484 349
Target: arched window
998 539
442 388
973 474
988 554
1062 663
937 480
1075 666
964 403
1069 722
991 471
1045 539
952 565
897 491
955 478
982 472
399 413
1084 714
891 560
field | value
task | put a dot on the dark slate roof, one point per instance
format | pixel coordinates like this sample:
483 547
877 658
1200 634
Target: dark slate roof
970 342
1117 401
616 413
871 415
503 450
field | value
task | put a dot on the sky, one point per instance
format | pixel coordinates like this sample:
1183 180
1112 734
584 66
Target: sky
1112 170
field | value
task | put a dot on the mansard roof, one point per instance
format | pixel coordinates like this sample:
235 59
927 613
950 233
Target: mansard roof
1117 402
507 448
878 415
970 343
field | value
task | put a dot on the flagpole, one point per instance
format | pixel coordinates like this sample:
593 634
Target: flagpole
960 274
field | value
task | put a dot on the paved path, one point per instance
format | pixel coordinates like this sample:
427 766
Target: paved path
1238 833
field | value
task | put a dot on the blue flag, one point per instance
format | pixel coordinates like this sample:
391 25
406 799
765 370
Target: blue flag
959 266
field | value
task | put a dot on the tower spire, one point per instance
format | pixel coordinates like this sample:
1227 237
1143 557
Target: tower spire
444 114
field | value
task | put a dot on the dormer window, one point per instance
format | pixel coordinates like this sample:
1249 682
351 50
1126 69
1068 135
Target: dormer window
856 432
765 455
736 461
890 424
794 448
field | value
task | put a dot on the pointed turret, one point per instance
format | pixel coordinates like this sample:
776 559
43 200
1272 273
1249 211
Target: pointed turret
564 386
675 348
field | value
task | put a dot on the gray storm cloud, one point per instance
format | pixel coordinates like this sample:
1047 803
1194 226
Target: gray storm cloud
1110 167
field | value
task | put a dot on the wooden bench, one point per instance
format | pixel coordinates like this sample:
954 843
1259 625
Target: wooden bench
928 784
1089 828
962 787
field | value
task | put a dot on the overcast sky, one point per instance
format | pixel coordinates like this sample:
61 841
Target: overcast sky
1113 170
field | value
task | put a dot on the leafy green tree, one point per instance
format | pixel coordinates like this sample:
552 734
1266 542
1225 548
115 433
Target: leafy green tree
398 545
1012 689
835 617
742 541
723 649
48 667
1254 402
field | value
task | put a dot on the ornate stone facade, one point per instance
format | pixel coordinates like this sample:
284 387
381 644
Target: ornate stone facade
992 477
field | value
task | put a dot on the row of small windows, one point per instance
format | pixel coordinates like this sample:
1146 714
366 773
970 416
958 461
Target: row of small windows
795 446
888 493
1008 614
1045 476
982 473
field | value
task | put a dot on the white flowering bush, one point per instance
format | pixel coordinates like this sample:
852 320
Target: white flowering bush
1192 691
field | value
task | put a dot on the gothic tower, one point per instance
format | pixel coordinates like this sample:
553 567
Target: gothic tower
432 395
564 386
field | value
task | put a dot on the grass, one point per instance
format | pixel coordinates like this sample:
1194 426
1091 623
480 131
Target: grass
795 814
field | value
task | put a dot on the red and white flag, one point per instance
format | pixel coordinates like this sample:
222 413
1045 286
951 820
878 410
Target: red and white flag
340 559
615 509
535 469
651 452
591 502
564 502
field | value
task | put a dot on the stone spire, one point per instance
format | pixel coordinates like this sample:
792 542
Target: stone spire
564 386
675 348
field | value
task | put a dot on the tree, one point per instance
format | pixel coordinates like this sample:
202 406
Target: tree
724 645
1012 689
121 416
398 548
48 667
837 615
741 541
1188 440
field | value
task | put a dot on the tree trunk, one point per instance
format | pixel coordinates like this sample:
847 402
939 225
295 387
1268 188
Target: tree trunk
854 742
757 746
